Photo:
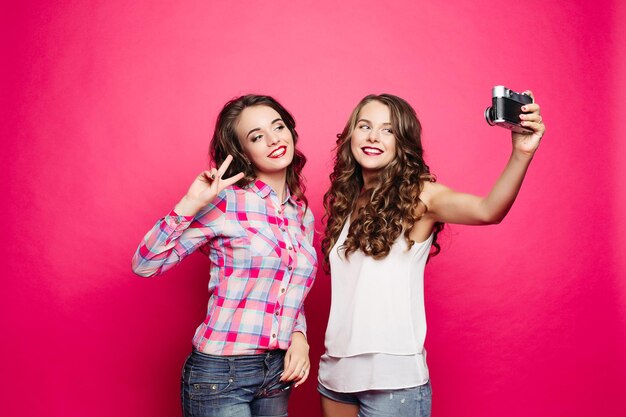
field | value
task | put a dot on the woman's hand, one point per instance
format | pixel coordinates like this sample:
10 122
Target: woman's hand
205 188
297 364
527 143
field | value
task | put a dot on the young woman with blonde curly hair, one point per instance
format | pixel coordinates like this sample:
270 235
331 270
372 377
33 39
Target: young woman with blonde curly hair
383 212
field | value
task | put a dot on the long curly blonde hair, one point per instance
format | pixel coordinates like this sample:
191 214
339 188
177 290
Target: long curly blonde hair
393 205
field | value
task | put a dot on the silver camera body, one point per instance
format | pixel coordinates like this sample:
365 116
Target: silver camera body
506 106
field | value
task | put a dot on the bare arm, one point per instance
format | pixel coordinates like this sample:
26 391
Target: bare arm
448 206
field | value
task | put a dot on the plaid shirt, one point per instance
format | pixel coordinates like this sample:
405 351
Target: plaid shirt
263 265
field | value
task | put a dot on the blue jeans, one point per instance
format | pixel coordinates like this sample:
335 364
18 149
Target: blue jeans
234 386
408 402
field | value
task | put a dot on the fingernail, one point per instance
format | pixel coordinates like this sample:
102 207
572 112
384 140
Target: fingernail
524 108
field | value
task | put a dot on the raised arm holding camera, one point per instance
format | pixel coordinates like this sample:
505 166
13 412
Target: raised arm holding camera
384 211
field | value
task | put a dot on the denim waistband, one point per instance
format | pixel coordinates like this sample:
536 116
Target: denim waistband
243 359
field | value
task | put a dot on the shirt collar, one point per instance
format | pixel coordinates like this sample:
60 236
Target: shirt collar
263 190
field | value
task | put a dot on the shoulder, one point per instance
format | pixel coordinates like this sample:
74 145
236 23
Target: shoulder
220 202
432 195
308 213
235 194
304 214
431 190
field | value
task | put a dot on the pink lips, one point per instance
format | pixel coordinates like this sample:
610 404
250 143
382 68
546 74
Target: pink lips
278 152
371 151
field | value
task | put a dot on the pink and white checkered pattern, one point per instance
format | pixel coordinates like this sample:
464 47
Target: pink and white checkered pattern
263 265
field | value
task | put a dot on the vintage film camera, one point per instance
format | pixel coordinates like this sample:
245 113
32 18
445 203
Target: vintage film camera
506 106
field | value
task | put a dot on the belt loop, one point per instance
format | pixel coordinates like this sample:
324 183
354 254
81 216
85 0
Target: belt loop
231 366
267 359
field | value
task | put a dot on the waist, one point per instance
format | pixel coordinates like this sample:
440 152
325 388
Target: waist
241 359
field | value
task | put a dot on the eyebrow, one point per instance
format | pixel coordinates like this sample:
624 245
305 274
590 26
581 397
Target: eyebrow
258 128
367 121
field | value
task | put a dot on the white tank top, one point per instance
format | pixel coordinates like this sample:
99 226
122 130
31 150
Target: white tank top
377 324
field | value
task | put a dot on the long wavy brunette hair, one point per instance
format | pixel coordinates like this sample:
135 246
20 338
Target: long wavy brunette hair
393 204
225 142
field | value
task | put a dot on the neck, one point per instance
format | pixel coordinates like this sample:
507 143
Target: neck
370 179
277 181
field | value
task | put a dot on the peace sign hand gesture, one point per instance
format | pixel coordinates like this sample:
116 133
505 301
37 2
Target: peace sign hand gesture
205 188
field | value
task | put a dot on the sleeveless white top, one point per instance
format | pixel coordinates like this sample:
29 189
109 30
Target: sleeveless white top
377 324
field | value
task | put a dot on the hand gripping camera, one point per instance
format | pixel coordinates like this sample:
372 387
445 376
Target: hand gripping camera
506 106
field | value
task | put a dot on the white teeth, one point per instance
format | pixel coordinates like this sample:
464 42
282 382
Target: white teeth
278 152
372 151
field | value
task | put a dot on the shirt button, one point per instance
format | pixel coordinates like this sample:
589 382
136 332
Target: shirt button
290 267
274 336
290 248
276 313
177 220
282 290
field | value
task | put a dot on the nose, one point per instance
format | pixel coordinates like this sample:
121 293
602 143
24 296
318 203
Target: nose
271 139
373 136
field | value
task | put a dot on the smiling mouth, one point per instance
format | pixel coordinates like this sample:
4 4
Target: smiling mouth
278 152
367 150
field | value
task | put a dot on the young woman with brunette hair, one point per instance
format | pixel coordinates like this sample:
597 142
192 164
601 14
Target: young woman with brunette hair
383 213
250 217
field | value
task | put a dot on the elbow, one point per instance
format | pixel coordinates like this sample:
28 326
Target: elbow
144 274
492 215
487 214
140 270
491 219
143 267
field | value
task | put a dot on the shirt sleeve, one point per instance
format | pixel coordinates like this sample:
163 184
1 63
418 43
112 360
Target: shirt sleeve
300 325
309 225
309 231
174 237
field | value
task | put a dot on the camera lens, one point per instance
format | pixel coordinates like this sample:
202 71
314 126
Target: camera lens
489 113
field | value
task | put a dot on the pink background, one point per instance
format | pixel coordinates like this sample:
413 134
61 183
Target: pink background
107 111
